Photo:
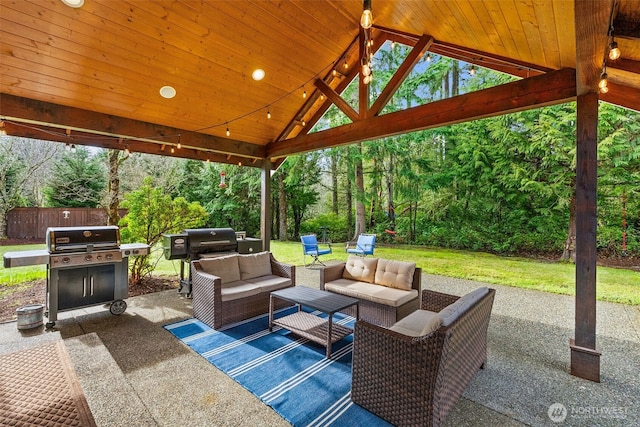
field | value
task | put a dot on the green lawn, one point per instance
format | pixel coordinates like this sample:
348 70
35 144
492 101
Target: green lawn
615 285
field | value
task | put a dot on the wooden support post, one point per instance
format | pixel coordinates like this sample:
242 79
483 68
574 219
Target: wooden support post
585 359
265 202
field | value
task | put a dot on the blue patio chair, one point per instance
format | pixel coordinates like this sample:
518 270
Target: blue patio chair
364 246
310 247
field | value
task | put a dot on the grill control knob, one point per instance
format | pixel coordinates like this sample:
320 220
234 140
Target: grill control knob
66 260
109 256
88 257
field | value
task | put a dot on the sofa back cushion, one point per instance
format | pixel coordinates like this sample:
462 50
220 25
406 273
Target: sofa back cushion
452 312
395 274
254 265
225 267
360 269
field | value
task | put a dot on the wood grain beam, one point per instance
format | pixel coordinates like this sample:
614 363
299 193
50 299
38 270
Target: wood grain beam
547 89
624 64
624 96
334 97
487 60
592 26
90 122
110 143
401 74
627 27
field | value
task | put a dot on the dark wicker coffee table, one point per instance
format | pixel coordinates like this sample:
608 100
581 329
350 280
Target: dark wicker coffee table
306 325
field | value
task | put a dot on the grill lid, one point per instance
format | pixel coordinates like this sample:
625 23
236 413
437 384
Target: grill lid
204 240
82 239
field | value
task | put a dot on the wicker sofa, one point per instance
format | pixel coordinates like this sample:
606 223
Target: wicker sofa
388 290
414 372
236 287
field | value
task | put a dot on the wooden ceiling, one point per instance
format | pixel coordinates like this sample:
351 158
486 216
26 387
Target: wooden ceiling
92 75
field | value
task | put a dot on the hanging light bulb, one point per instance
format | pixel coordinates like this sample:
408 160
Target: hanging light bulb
228 132
304 94
334 72
222 179
472 70
346 65
614 50
603 84
366 20
3 131
428 57
126 150
268 114
366 70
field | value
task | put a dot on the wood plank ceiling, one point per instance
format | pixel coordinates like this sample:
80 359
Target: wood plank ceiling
91 75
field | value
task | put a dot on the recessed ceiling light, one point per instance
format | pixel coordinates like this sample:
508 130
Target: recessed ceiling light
73 3
258 74
167 92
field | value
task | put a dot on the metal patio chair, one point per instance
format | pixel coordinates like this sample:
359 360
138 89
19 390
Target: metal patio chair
310 247
364 246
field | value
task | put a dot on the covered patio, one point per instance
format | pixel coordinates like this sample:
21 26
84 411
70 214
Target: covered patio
174 78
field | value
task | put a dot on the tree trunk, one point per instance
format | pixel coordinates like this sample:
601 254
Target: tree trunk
113 192
360 210
569 252
282 209
334 183
391 210
349 197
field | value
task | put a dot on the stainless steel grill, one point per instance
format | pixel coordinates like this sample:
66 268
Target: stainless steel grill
85 266
196 243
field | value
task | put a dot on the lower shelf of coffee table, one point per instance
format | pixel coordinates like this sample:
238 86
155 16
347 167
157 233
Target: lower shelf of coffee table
312 327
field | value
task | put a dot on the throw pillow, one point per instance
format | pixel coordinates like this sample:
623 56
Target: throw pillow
395 274
225 267
360 269
254 265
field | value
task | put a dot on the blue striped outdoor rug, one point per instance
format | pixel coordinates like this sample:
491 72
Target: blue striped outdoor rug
288 373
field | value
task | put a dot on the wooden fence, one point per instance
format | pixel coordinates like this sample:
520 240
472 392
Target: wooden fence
32 223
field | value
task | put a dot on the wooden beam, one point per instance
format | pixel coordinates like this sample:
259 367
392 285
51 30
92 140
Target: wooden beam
265 204
111 143
624 64
547 89
592 25
401 74
585 358
626 27
90 122
624 96
487 60
337 100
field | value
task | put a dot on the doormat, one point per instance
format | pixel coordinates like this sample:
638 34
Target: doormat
39 387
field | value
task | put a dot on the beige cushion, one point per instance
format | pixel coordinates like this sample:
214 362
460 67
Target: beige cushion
453 311
225 267
254 265
418 323
370 292
238 289
360 269
395 274
270 282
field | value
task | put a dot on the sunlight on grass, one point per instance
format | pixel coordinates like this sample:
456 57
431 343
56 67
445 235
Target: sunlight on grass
614 285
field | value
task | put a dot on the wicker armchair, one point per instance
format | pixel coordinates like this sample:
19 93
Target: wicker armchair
417 380
209 307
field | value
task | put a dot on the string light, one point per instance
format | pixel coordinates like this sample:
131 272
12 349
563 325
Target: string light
3 131
268 114
304 94
366 20
472 70
428 57
228 132
603 85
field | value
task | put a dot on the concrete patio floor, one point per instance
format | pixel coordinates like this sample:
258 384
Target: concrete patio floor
134 373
